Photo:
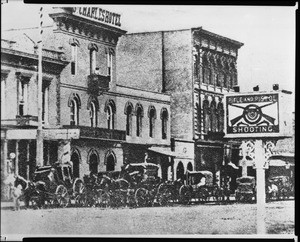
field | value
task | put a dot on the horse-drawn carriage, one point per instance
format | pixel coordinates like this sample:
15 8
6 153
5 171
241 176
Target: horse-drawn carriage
145 187
246 189
55 185
283 187
137 184
199 186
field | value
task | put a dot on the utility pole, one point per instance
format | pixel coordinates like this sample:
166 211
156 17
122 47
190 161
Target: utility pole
260 193
39 134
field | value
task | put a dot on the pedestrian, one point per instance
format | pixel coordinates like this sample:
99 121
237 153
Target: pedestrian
146 159
16 194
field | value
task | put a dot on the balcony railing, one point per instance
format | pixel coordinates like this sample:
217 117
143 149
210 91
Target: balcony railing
99 133
26 120
98 84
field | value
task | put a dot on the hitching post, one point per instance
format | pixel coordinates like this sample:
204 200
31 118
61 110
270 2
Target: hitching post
260 186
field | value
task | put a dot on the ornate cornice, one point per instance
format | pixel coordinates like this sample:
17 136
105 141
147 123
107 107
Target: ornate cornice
86 28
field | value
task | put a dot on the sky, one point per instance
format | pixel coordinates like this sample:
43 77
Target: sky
268 33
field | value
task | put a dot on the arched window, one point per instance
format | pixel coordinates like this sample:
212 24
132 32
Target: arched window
75 158
110 161
152 117
213 115
93 48
110 109
180 171
139 116
189 167
93 107
74 49
206 114
74 104
93 115
129 112
93 161
164 122
220 116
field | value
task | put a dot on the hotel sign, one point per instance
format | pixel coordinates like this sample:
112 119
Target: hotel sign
99 15
252 114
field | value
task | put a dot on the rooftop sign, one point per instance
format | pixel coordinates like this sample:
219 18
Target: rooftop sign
99 15
256 114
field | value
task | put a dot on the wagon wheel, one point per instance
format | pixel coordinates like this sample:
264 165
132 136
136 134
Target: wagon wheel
141 197
164 196
203 194
62 196
185 195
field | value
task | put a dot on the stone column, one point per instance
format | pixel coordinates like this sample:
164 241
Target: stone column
27 160
5 155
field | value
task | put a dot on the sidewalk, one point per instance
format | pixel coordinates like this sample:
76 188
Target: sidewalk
6 205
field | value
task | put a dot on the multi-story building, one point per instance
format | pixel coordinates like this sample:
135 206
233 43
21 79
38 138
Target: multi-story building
87 117
196 68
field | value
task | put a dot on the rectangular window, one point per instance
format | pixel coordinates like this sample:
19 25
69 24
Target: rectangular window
74 59
23 96
109 64
93 61
45 104
3 106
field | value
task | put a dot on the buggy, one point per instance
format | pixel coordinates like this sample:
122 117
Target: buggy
56 185
199 185
284 185
246 189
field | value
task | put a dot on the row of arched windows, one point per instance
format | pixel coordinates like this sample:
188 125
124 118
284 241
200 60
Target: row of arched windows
110 110
138 111
93 160
213 115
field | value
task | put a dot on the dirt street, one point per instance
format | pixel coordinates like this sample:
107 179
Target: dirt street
176 220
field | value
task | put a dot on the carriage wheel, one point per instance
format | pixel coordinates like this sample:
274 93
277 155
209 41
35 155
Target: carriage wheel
35 202
141 197
78 187
203 194
185 195
164 197
116 199
80 200
104 199
218 194
130 198
62 196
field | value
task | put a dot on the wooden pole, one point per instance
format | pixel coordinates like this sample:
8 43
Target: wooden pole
260 187
39 136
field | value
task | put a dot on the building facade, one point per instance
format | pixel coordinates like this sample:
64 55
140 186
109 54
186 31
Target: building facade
87 117
196 68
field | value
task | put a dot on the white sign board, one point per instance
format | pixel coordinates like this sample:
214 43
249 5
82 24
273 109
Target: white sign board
257 114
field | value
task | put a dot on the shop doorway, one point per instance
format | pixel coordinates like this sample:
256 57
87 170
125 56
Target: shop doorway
180 171
110 163
93 163
190 166
75 160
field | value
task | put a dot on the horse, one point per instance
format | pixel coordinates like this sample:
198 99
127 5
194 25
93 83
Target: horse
28 187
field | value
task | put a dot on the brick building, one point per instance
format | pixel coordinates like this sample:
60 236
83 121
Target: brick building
87 117
196 68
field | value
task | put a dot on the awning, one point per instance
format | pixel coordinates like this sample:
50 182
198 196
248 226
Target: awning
277 162
167 152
